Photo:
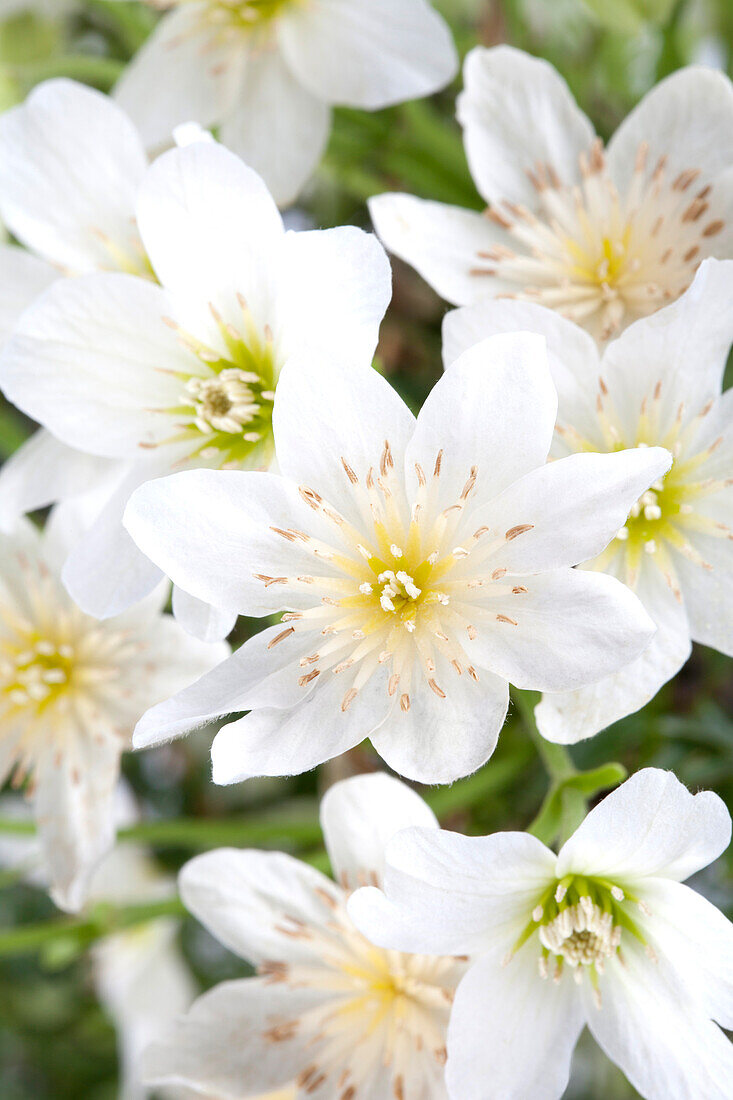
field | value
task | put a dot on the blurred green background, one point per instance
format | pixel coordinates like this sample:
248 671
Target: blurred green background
56 1041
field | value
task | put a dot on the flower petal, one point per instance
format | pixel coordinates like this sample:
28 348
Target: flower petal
371 55
261 673
89 360
73 806
210 227
575 506
359 815
23 277
70 166
334 289
698 941
686 118
202 76
44 470
568 628
448 894
245 898
517 112
708 592
513 1029
276 741
501 394
200 619
441 242
439 740
223 558
277 125
569 717
650 825
319 419
226 1039
645 1010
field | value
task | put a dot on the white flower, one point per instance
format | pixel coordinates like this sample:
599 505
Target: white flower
184 374
603 238
603 934
421 564
268 70
71 689
328 1010
71 164
657 384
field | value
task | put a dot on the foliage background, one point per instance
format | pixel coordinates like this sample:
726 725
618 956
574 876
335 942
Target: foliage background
55 1040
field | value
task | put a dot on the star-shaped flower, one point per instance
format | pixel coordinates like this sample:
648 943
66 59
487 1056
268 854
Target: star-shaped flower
420 564
268 71
328 1010
603 935
658 384
603 237
161 377
71 689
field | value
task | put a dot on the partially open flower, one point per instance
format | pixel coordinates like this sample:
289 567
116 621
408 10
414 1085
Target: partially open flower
603 935
420 564
603 237
328 1010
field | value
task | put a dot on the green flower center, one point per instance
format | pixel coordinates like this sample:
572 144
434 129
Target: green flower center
35 675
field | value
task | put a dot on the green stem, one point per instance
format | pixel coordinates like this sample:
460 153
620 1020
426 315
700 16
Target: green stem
102 72
556 758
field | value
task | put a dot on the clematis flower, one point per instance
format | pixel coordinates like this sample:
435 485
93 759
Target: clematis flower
71 689
184 374
327 1010
71 164
603 935
656 385
421 565
267 71
604 238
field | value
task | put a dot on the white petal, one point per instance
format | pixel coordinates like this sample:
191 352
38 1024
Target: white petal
569 717
257 675
650 825
88 360
441 242
210 227
687 119
682 348
105 572
572 354
70 166
493 409
22 278
708 592
451 894
222 1042
287 742
334 289
511 1028
202 76
200 619
277 125
439 740
244 898
573 627
516 112
44 470
359 815
324 414
697 940
369 55
175 659
74 810
575 505
645 1012
217 558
